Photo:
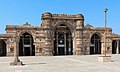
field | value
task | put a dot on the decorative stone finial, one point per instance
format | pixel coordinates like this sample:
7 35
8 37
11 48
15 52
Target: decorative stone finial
26 24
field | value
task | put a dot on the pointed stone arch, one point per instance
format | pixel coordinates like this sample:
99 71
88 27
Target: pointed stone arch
29 32
69 25
99 34
63 39
26 47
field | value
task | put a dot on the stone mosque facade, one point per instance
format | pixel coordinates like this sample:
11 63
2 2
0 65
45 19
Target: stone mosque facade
59 34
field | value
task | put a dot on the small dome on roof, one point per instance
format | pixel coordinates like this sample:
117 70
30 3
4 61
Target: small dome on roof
26 24
88 26
48 14
80 16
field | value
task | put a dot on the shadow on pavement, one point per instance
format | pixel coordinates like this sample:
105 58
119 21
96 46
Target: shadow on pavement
34 63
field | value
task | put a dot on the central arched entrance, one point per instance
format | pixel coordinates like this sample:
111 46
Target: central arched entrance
26 47
2 48
95 44
63 41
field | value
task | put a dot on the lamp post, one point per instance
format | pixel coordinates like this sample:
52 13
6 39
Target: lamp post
16 59
104 58
105 11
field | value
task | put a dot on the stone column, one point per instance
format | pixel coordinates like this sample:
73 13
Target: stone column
79 37
69 44
117 49
94 45
16 51
53 45
30 45
57 42
79 48
48 50
74 46
65 42
23 44
102 46
46 23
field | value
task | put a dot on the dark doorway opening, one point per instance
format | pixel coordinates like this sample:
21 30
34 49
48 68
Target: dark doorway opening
2 48
61 50
26 47
114 46
95 45
63 41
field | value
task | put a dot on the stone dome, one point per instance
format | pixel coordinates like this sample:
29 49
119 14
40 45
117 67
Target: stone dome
47 14
88 26
26 24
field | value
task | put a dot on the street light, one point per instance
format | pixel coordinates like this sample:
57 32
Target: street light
105 11
104 58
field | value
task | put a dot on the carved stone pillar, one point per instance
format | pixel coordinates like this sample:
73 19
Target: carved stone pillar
79 37
74 46
117 49
65 43
57 42
46 23
69 49
48 50
52 42
23 44
79 46
30 46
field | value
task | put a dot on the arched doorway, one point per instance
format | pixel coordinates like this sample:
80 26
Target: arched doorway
26 47
114 46
2 48
95 44
63 41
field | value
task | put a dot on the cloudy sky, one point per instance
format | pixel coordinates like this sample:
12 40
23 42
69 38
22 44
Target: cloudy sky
17 12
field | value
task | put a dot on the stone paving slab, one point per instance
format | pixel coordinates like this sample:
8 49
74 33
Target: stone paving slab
83 63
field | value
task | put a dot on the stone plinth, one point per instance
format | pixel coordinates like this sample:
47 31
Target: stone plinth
102 59
16 63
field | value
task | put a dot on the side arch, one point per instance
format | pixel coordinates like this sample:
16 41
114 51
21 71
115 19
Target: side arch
2 48
98 33
95 43
26 47
29 32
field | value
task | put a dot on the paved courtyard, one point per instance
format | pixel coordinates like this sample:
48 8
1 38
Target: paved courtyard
84 63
